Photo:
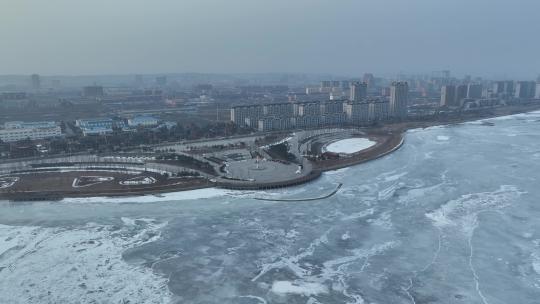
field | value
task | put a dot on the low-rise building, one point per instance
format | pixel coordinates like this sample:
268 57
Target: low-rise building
99 126
17 130
143 121
474 104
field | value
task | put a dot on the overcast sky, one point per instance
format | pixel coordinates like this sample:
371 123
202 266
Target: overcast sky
343 37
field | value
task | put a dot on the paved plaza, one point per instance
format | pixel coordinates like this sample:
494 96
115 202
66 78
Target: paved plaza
263 170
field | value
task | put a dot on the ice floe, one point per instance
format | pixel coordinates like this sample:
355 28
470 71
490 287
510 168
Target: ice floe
462 212
302 288
443 138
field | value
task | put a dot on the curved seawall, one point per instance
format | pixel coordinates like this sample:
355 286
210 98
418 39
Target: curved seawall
302 199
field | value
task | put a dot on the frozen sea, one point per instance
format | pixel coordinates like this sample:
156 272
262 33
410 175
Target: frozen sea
451 217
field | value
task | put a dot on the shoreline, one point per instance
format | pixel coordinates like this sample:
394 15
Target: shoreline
394 135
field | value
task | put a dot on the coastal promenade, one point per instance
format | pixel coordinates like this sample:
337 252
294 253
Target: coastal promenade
55 178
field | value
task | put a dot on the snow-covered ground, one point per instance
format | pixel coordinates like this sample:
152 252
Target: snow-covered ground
88 181
350 145
205 193
6 182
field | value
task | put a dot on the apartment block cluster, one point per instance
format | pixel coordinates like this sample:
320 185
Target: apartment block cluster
357 110
17 130
459 95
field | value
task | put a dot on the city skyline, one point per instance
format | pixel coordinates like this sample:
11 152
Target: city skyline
383 37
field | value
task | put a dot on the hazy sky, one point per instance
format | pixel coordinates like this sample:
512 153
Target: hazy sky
347 37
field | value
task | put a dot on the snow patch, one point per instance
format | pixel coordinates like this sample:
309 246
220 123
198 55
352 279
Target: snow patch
7 182
350 145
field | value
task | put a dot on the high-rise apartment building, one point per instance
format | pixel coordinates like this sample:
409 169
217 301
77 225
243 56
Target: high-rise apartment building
448 96
445 74
326 84
452 95
378 110
509 87
525 89
474 91
161 80
369 79
93 91
399 98
358 91
358 113
498 87
246 115
345 84
35 81
139 82
461 93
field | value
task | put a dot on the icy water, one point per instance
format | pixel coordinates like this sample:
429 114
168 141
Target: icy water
452 217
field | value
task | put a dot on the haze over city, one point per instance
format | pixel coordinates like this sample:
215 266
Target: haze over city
269 152
493 38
